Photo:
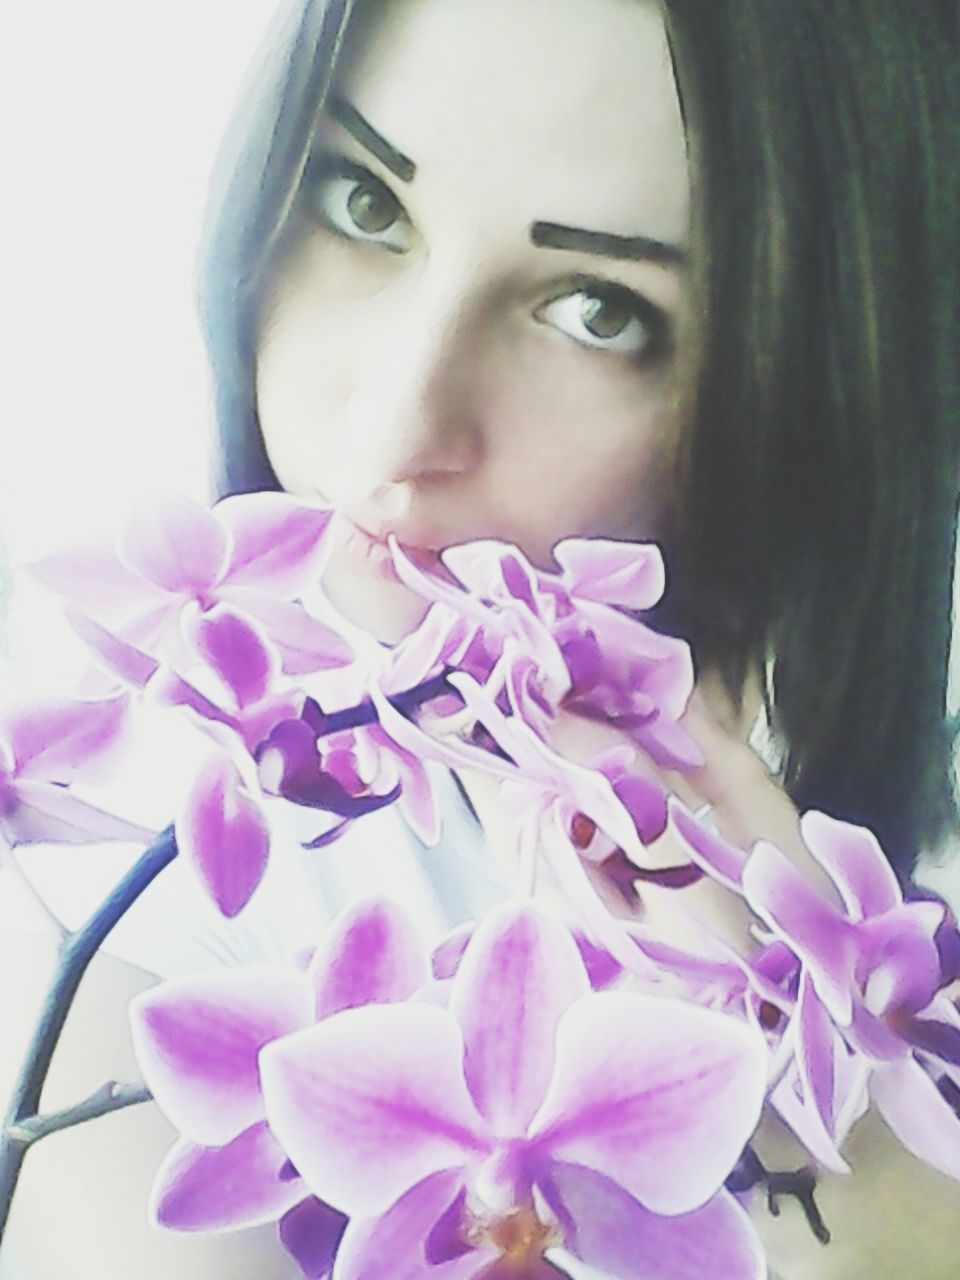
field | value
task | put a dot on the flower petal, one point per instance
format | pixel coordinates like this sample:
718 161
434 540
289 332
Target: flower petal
418 801
243 1184
224 835
655 1093
197 1039
668 743
370 1101
935 1037
177 544
816 1049
304 643
94 580
822 938
628 574
438 641
604 929
311 1233
904 962
369 955
917 1112
57 739
856 864
449 751
610 1230
532 963
401 1233
279 544
43 812
721 860
121 658
790 1103
238 650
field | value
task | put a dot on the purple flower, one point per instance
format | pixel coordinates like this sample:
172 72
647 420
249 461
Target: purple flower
530 1114
544 794
363 768
197 1041
256 552
221 828
579 647
335 774
46 746
870 1010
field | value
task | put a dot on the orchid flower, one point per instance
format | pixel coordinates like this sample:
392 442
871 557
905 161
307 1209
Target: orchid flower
472 1140
588 654
545 795
197 1041
221 827
256 552
870 1003
46 746
349 772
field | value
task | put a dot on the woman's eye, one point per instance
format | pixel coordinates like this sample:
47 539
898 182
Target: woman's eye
607 317
357 205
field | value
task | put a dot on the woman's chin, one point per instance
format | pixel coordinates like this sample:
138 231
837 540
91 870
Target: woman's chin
386 609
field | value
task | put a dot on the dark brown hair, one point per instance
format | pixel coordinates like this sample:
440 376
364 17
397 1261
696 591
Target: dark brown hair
815 504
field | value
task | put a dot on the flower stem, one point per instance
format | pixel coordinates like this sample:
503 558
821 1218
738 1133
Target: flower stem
23 1124
75 953
801 1184
366 713
111 1096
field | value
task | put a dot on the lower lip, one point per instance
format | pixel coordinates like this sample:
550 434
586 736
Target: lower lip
370 551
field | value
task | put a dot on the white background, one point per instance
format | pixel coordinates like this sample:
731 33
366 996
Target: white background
111 114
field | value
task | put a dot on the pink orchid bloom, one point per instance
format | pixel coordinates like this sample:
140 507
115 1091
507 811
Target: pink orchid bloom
44 748
544 793
306 761
871 1013
531 1114
586 651
197 1041
256 552
221 828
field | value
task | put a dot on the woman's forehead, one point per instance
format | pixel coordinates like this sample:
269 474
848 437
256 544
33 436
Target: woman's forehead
560 110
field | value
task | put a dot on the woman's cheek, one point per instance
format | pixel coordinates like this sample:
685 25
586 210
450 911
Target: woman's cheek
567 458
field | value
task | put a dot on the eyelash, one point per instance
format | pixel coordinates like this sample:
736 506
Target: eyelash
324 168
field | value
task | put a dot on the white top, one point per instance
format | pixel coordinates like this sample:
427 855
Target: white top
174 928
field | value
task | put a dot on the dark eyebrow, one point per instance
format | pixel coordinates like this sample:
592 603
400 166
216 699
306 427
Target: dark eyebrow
364 132
551 235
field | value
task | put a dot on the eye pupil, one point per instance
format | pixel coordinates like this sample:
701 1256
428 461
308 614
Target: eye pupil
372 209
606 317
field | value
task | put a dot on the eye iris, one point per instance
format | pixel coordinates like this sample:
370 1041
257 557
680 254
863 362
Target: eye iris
372 209
606 317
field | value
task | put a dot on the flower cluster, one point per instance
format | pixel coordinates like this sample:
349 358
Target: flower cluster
545 1086
378 1114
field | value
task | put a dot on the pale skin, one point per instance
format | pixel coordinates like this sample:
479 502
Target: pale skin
429 369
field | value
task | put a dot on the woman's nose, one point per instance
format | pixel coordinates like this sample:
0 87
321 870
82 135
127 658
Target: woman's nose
414 409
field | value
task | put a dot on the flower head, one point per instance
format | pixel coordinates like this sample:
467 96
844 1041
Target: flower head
871 1014
481 1135
197 1041
46 746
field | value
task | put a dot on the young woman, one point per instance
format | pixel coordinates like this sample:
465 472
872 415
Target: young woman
686 272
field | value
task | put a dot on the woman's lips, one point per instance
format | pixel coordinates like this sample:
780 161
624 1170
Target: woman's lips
372 550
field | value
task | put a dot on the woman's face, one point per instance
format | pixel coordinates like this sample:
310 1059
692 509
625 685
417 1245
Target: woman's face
471 332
